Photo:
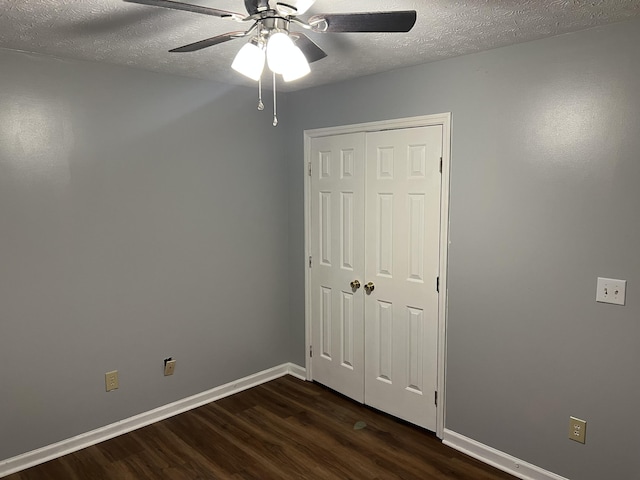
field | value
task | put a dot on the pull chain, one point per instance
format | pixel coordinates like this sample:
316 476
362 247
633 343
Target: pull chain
275 111
260 104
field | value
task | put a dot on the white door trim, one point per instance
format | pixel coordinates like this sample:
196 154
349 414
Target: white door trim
444 120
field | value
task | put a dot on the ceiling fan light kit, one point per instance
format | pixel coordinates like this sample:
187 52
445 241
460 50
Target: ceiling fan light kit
298 66
250 61
281 53
285 53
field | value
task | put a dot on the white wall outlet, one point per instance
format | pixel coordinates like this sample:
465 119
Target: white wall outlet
169 366
611 290
111 380
577 429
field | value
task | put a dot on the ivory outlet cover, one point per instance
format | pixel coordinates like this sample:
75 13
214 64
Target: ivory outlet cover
577 429
169 367
111 380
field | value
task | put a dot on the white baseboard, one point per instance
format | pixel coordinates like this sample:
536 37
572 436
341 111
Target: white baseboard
70 445
297 371
496 458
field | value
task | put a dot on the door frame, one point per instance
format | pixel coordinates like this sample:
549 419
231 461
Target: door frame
443 119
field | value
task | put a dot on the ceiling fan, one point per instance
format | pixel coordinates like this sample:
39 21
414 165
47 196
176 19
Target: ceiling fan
287 53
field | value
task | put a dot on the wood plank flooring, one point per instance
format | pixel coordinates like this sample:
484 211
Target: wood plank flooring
284 429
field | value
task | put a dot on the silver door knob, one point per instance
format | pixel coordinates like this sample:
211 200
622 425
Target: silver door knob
355 284
369 287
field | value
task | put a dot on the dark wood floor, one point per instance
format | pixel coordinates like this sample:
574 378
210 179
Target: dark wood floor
285 429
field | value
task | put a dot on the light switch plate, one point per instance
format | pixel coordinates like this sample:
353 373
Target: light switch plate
611 290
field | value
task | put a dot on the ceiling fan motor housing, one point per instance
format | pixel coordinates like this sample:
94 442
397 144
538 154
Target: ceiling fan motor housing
270 24
256 6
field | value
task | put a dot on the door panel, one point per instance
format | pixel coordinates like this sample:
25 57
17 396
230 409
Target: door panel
337 232
402 260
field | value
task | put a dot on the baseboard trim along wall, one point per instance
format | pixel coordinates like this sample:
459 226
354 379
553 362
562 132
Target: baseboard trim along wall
297 371
70 445
496 458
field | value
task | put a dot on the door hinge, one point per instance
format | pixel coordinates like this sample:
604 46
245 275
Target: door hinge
309 168
309 261
310 351
438 284
435 398
440 165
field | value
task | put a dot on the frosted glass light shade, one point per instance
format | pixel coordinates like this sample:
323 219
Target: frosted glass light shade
303 5
249 61
297 65
279 49
293 7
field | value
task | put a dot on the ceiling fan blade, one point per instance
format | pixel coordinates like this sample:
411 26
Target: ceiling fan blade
209 42
401 21
187 7
311 51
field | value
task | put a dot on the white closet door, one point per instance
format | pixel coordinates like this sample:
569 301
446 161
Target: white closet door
375 217
337 248
403 184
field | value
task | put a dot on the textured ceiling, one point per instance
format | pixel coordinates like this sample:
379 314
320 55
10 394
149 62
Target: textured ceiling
137 35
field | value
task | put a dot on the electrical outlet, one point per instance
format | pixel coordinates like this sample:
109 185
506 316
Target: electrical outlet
611 290
169 366
111 380
577 429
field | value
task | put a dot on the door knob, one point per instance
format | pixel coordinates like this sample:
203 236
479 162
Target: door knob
355 284
369 287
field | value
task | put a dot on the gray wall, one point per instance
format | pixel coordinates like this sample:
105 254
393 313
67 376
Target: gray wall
544 198
141 216
144 215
